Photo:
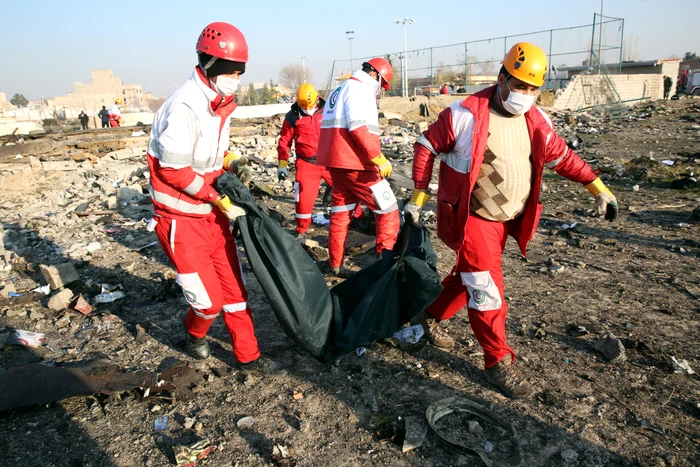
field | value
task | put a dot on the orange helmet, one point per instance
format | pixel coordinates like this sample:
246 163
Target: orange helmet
383 67
527 62
307 96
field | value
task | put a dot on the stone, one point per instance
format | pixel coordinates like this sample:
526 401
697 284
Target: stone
611 348
12 312
122 154
5 292
569 455
59 275
35 314
35 163
130 192
112 202
60 300
474 427
420 127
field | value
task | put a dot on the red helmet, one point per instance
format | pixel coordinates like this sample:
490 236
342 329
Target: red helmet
384 69
224 41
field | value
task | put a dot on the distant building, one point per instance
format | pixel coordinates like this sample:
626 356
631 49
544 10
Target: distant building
103 90
4 103
667 67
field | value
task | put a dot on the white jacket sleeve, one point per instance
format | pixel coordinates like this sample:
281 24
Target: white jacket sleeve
177 140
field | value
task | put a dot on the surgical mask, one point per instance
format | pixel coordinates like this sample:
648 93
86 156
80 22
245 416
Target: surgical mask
226 86
309 111
517 103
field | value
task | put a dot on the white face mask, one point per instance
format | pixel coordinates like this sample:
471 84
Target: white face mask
517 103
309 111
226 86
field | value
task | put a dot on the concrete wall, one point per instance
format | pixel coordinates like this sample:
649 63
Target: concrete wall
404 105
587 90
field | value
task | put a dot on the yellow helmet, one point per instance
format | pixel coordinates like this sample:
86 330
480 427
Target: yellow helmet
527 62
307 96
118 101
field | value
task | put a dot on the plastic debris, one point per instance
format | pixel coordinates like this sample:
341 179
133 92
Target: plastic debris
14 294
488 446
279 452
109 297
569 226
46 289
416 431
161 423
320 219
82 305
26 338
138 133
360 350
410 334
189 455
681 366
668 162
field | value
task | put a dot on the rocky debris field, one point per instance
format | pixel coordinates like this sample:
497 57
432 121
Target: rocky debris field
604 318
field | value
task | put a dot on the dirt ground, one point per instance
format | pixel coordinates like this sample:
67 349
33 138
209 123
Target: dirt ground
636 278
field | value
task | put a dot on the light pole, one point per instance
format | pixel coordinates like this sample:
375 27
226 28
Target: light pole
351 36
404 73
303 67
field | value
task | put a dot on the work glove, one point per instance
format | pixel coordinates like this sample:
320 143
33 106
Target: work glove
238 165
605 201
383 164
414 207
227 207
282 170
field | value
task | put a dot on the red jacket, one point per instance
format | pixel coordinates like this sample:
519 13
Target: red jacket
460 135
444 90
350 126
303 130
189 136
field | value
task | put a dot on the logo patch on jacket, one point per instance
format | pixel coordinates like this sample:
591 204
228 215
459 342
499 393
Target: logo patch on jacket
334 98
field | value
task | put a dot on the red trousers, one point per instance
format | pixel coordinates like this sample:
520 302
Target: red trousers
351 187
477 281
114 121
308 181
204 253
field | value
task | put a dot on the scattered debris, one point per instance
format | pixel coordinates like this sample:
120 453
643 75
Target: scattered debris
681 366
246 422
25 338
410 334
416 431
189 455
59 275
160 423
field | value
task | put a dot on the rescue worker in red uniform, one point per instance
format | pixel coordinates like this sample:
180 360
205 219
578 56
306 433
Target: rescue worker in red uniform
349 147
187 145
302 126
493 148
114 114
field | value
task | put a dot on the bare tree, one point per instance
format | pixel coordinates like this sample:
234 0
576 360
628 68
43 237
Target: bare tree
292 75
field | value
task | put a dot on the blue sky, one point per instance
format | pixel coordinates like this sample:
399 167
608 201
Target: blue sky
48 44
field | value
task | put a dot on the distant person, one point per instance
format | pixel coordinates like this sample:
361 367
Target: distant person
84 119
104 115
302 126
115 113
451 89
668 84
461 90
444 90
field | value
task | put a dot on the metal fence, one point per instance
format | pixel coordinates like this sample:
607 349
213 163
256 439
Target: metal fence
588 48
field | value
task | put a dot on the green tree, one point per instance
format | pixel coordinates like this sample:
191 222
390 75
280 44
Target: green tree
252 97
268 95
19 100
690 56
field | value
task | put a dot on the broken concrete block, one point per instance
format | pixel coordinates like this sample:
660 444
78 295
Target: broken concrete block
60 300
390 115
420 127
130 192
5 292
112 202
59 166
611 348
59 275
122 154
35 163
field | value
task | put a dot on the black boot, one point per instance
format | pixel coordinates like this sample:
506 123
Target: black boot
265 367
198 348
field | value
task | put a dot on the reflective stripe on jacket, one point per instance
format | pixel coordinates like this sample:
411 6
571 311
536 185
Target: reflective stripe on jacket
459 136
189 136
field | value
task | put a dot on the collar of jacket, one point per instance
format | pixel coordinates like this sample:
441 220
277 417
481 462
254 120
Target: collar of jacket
364 78
217 104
